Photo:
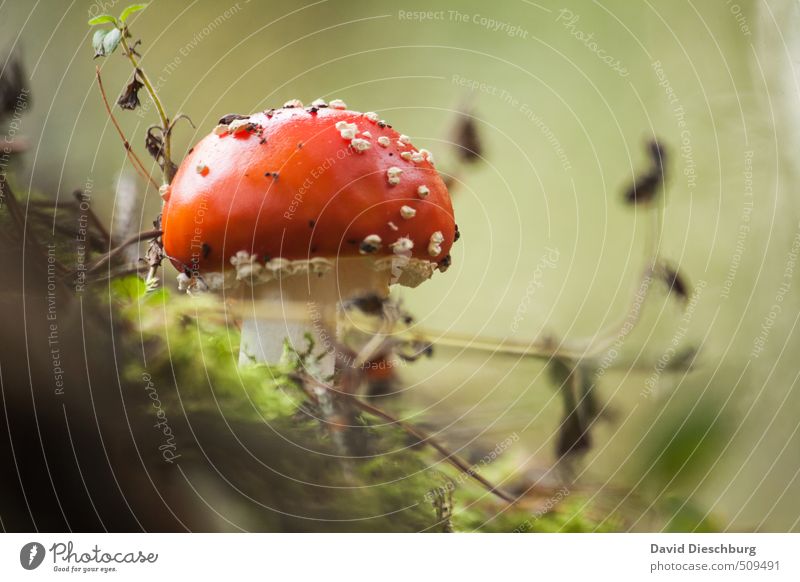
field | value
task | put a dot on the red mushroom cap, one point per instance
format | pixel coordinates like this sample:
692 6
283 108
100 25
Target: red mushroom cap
298 183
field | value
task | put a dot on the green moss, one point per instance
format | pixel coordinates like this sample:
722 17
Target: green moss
572 514
191 347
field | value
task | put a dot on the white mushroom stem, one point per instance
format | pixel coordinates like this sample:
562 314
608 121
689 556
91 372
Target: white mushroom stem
293 305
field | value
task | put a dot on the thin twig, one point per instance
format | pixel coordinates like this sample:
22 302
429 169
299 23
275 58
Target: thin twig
149 234
603 340
50 205
543 349
98 224
128 269
425 438
137 163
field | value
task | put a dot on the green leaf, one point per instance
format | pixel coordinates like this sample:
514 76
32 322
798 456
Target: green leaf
97 42
111 41
128 289
102 19
130 10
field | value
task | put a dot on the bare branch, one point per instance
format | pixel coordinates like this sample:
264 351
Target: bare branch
148 234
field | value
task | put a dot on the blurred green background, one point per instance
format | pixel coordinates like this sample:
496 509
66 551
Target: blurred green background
563 133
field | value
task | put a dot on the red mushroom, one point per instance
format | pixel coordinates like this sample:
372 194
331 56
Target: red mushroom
309 206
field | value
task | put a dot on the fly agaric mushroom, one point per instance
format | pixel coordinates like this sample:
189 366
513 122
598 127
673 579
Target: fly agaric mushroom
309 206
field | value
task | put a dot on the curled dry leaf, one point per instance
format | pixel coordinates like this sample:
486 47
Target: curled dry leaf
468 139
646 186
675 282
130 97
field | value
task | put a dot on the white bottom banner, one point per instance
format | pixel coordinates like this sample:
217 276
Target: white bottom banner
390 557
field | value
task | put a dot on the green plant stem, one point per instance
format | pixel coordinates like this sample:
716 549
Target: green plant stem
168 172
